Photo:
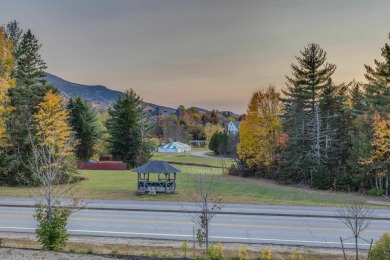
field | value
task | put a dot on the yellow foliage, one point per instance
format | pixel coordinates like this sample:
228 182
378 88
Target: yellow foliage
219 249
211 129
259 131
243 253
6 82
51 123
380 144
266 253
381 141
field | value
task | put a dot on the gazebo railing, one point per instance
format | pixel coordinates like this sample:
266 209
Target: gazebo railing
156 186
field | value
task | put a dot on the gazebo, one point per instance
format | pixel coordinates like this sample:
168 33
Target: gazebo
166 177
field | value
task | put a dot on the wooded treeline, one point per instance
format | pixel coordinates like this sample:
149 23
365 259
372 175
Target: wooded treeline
317 132
36 120
30 107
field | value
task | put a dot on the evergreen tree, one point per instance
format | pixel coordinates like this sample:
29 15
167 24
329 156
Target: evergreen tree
334 138
218 143
359 150
30 66
84 122
304 98
29 92
357 99
125 140
378 87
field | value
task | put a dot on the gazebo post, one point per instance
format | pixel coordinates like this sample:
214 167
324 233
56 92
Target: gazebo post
174 182
138 184
166 183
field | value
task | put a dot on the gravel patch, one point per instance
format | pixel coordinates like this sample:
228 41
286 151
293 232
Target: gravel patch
32 254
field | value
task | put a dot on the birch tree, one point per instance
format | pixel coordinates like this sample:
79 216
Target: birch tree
51 162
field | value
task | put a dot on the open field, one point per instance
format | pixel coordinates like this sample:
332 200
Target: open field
122 185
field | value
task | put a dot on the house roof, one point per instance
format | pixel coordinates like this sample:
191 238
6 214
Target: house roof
177 145
156 167
236 123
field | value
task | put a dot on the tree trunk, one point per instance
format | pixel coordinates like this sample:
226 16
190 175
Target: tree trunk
206 226
376 180
356 246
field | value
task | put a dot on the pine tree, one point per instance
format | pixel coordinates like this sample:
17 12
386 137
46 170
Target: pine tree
303 157
357 101
30 66
359 150
84 122
334 138
29 91
123 126
378 87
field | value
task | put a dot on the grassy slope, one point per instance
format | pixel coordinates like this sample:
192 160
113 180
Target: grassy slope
122 185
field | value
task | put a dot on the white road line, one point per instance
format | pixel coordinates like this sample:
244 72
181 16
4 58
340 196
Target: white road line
22 228
179 235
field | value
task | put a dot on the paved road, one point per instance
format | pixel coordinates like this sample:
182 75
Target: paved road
228 227
204 153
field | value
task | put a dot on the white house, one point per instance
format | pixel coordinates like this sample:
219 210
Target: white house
232 127
174 147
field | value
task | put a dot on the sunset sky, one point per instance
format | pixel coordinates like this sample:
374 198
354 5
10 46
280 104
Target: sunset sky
210 53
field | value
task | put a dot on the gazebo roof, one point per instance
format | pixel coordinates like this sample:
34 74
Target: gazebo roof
156 167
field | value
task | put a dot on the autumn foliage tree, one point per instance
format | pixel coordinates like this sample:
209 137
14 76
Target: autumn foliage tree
379 160
260 130
28 92
6 82
377 93
52 164
51 123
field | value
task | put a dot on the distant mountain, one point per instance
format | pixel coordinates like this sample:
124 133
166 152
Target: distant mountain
100 96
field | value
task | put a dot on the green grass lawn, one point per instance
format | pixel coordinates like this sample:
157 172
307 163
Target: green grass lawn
122 185
188 158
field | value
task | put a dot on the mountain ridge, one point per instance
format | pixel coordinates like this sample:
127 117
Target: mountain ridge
100 96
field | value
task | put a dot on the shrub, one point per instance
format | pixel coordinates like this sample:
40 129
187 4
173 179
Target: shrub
296 255
381 248
184 248
51 231
243 253
215 252
219 249
375 192
266 253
